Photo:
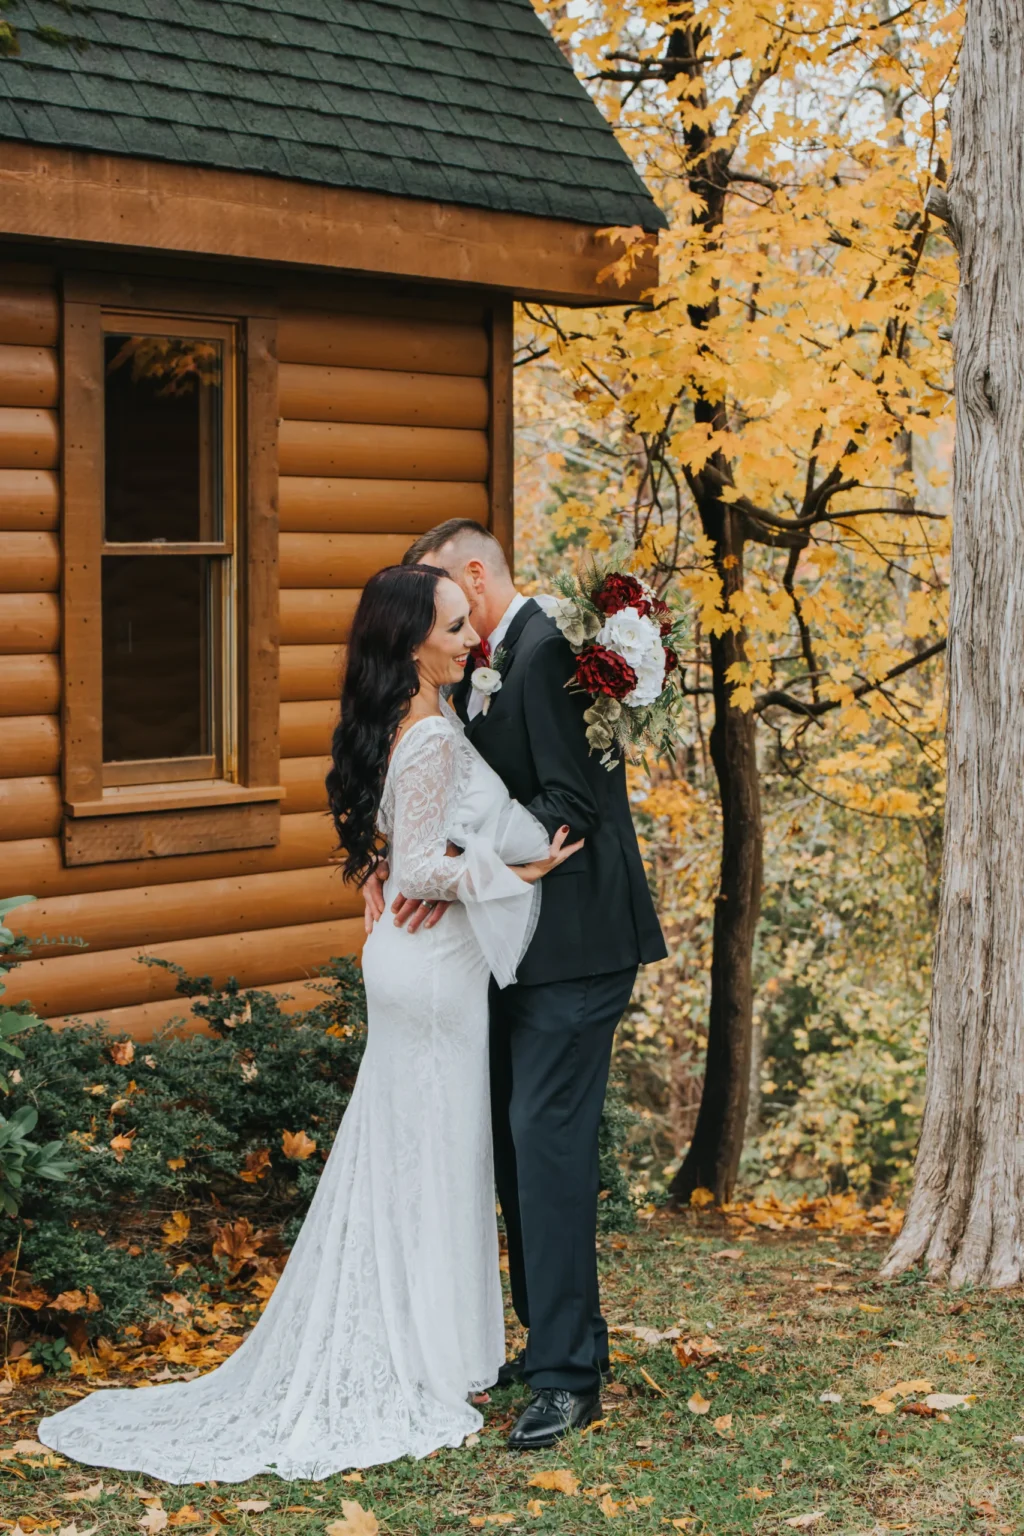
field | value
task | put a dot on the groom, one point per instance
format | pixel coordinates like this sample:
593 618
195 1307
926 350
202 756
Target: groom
552 1031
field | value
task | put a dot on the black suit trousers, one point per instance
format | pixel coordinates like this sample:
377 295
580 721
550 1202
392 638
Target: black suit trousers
551 1048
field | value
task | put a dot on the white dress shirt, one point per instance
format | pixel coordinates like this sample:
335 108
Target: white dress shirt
476 700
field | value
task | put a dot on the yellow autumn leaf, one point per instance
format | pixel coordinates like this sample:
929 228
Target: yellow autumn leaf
608 1507
297 1145
701 1197
561 1480
698 1403
175 1229
757 1494
723 1426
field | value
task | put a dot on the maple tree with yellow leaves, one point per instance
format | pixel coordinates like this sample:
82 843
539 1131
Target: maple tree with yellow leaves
769 429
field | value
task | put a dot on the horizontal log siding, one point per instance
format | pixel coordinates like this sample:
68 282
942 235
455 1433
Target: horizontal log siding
384 432
30 680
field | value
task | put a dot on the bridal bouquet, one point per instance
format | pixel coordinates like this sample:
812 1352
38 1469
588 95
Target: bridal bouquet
622 634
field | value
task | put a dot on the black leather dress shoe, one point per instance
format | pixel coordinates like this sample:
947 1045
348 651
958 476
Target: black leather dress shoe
511 1373
553 1413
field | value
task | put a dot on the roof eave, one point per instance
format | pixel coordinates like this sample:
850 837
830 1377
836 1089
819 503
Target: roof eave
147 205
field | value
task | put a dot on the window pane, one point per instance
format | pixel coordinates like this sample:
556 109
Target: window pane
164 455
156 656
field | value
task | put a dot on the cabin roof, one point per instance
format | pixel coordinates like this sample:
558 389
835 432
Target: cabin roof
456 101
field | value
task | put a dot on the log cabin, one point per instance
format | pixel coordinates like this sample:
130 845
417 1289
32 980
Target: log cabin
258 264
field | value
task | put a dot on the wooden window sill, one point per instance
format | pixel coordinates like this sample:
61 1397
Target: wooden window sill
130 799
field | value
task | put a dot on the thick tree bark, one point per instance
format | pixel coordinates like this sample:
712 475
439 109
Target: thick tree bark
965 1214
714 1153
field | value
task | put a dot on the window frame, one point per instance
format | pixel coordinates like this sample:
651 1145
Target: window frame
126 813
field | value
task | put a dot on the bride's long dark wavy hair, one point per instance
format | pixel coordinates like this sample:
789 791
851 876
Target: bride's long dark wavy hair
395 615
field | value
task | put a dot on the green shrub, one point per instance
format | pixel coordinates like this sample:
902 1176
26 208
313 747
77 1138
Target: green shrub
172 1141
192 1125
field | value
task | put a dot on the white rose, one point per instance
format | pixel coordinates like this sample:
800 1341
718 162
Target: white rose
650 678
633 637
486 680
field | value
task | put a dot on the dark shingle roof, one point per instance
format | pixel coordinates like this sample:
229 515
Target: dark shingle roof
464 101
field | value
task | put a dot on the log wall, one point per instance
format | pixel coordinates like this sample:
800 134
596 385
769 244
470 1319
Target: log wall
385 430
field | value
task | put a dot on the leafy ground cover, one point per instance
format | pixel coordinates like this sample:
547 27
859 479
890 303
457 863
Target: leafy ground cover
766 1381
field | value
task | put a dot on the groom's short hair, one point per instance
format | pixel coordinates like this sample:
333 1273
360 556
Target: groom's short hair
470 541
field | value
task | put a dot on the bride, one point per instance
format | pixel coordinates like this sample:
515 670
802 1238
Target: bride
388 1315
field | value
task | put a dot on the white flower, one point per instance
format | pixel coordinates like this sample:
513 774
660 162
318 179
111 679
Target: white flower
650 678
634 637
485 680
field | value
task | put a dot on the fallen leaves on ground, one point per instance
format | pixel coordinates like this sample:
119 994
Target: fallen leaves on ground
884 1402
698 1352
87 1495
757 1494
561 1480
121 1144
77 1301
698 1403
804 1522
355 1521
826 1213
723 1426
252 1506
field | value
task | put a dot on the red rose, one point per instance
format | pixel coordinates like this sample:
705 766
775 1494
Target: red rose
617 592
671 660
602 671
661 613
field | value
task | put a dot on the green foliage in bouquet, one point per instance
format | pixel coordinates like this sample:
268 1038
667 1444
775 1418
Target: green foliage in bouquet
627 640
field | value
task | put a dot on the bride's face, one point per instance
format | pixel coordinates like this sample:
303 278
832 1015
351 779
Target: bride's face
442 656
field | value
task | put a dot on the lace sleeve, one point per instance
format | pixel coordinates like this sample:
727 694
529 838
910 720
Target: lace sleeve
428 780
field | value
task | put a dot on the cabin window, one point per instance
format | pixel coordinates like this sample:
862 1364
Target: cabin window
171 695
168 587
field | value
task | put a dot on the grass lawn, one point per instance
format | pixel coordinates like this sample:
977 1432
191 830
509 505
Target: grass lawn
774 1323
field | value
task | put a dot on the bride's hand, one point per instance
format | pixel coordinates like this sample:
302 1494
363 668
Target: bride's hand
559 851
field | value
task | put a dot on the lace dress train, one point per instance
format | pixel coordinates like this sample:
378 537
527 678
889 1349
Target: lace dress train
388 1313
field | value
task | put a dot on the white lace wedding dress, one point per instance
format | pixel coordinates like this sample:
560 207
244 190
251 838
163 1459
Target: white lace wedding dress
389 1311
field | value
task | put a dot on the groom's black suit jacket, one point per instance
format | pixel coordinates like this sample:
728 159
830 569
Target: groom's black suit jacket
596 912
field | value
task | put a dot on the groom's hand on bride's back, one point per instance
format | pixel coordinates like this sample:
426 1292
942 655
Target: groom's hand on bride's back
412 915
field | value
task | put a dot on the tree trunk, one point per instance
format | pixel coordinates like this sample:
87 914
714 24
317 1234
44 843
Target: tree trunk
714 1153
965 1215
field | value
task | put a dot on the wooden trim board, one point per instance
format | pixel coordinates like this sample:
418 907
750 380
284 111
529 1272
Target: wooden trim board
103 200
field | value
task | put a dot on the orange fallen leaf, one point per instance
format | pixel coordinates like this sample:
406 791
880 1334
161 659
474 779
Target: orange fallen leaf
356 1521
179 1304
723 1426
186 1515
609 1508
757 1493
155 1519
536 1506
122 1053
701 1197
77 1301
560 1480
121 1144
174 1163
297 1145
698 1403
237 1242
255 1166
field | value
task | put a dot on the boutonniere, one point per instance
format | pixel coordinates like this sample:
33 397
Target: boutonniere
487 680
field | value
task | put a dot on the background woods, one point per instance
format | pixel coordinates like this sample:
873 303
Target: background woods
773 430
